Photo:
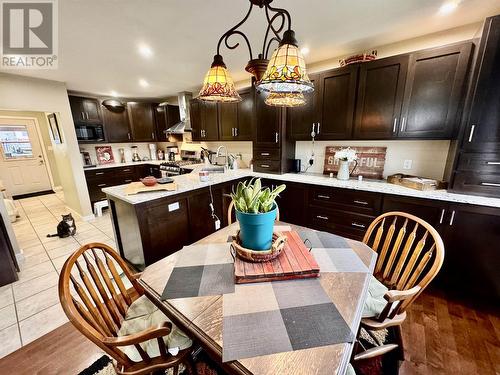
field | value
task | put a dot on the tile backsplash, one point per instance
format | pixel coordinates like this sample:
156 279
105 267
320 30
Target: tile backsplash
143 149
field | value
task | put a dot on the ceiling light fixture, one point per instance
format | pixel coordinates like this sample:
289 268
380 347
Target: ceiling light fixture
283 76
145 51
304 50
448 7
114 93
143 83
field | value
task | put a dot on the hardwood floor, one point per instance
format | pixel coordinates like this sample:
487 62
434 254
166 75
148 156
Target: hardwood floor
442 336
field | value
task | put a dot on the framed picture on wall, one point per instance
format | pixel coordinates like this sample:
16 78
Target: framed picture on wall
54 128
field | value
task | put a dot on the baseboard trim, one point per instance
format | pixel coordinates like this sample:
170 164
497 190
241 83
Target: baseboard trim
31 195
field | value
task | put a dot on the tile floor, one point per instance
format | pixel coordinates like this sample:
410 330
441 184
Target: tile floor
29 308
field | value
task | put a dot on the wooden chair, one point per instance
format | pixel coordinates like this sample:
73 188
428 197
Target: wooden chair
410 254
230 213
95 299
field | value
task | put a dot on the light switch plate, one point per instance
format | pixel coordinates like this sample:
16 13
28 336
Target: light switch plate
407 164
217 224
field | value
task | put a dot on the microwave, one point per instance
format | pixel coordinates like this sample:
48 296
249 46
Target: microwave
89 132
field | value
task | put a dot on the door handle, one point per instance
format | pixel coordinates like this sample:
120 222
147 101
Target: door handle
471 134
490 184
403 123
452 218
323 196
235 132
265 166
264 154
358 225
442 216
493 162
319 126
83 115
276 137
361 202
152 135
129 137
99 173
395 125
101 185
232 132
322 217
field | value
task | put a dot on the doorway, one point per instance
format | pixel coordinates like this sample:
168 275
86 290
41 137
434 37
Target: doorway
23 168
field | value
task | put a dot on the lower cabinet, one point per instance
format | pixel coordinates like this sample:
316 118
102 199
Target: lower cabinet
201 222
291 201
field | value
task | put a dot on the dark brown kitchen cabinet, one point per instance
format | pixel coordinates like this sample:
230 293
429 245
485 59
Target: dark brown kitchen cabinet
8 266
228 121
302 119
472 254
204 120
379 98
337 96
166 116
85 110
483 124
201 222
291 201
268 122
245 123
434 92
142 121
116 124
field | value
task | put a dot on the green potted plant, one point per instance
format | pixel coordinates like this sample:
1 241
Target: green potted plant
256 212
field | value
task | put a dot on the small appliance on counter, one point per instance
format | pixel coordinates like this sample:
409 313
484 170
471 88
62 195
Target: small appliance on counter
135 154
172 152
160 154
152 151
122 155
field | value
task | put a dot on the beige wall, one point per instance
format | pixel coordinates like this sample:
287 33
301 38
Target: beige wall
28 94
43 125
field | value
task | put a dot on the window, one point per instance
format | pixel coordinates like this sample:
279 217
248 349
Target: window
15 142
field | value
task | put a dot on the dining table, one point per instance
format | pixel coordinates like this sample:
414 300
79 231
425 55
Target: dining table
344 284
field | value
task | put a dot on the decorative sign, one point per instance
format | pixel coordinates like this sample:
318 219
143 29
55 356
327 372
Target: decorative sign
371 161
104 155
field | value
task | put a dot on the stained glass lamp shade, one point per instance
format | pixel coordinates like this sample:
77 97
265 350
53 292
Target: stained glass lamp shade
280 99
218 85
286 71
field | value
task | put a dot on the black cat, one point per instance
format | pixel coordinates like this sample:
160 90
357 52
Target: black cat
65 228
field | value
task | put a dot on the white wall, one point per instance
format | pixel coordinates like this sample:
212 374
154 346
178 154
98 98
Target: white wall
29 94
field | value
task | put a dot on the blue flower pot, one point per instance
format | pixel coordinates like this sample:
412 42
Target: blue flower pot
256 230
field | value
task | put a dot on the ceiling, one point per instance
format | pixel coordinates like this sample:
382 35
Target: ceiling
99 39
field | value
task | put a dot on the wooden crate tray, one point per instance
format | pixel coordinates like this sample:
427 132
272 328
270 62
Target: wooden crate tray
139 187
294 262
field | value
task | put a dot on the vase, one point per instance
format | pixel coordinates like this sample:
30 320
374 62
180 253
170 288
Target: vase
256 230
343 173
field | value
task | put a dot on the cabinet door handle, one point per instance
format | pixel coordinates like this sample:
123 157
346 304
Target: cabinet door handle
403 123
358 225
128 180
313 133
83 115
99 173
361 202
471 134
265 166
101 185
264 154
126 170
319 125
452 217
493 162
232 132
129 137
87 114
395 125
276 137
235 132
490 184
152 135
442 216
322 217
323 196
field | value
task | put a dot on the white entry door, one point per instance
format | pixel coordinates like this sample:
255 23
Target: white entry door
23 168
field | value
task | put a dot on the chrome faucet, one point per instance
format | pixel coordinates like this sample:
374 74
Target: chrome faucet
225 156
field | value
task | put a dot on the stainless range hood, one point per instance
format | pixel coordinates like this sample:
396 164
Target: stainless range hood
185 124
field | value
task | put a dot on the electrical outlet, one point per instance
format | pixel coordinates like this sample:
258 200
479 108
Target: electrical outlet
407 164
217 224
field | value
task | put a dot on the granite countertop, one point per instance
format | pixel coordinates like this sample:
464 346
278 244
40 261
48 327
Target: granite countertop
188 182
117 165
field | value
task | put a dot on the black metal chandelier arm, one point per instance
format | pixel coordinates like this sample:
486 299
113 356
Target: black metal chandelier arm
283 12
270 26
233 31
266 52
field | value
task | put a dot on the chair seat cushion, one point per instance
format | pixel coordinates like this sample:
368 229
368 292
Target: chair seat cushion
375 302
143 314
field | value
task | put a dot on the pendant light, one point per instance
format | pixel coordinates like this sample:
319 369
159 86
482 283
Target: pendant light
284 76
218 85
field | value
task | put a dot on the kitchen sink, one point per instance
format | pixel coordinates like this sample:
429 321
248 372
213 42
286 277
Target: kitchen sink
214 169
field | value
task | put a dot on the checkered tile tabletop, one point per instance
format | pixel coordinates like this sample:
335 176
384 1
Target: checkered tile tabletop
270 317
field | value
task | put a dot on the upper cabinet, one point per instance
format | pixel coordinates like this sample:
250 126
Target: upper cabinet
380 96
166 117
85 110
434 93
228 121
483 129
303 119
204 120
337 96
142 121
245 110
268 122
116 124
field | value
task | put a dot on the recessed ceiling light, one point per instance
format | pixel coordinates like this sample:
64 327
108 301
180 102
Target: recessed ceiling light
304 50
145 51
448 7
143 83
114 93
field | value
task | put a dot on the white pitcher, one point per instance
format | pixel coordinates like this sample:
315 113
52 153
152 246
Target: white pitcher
343 173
